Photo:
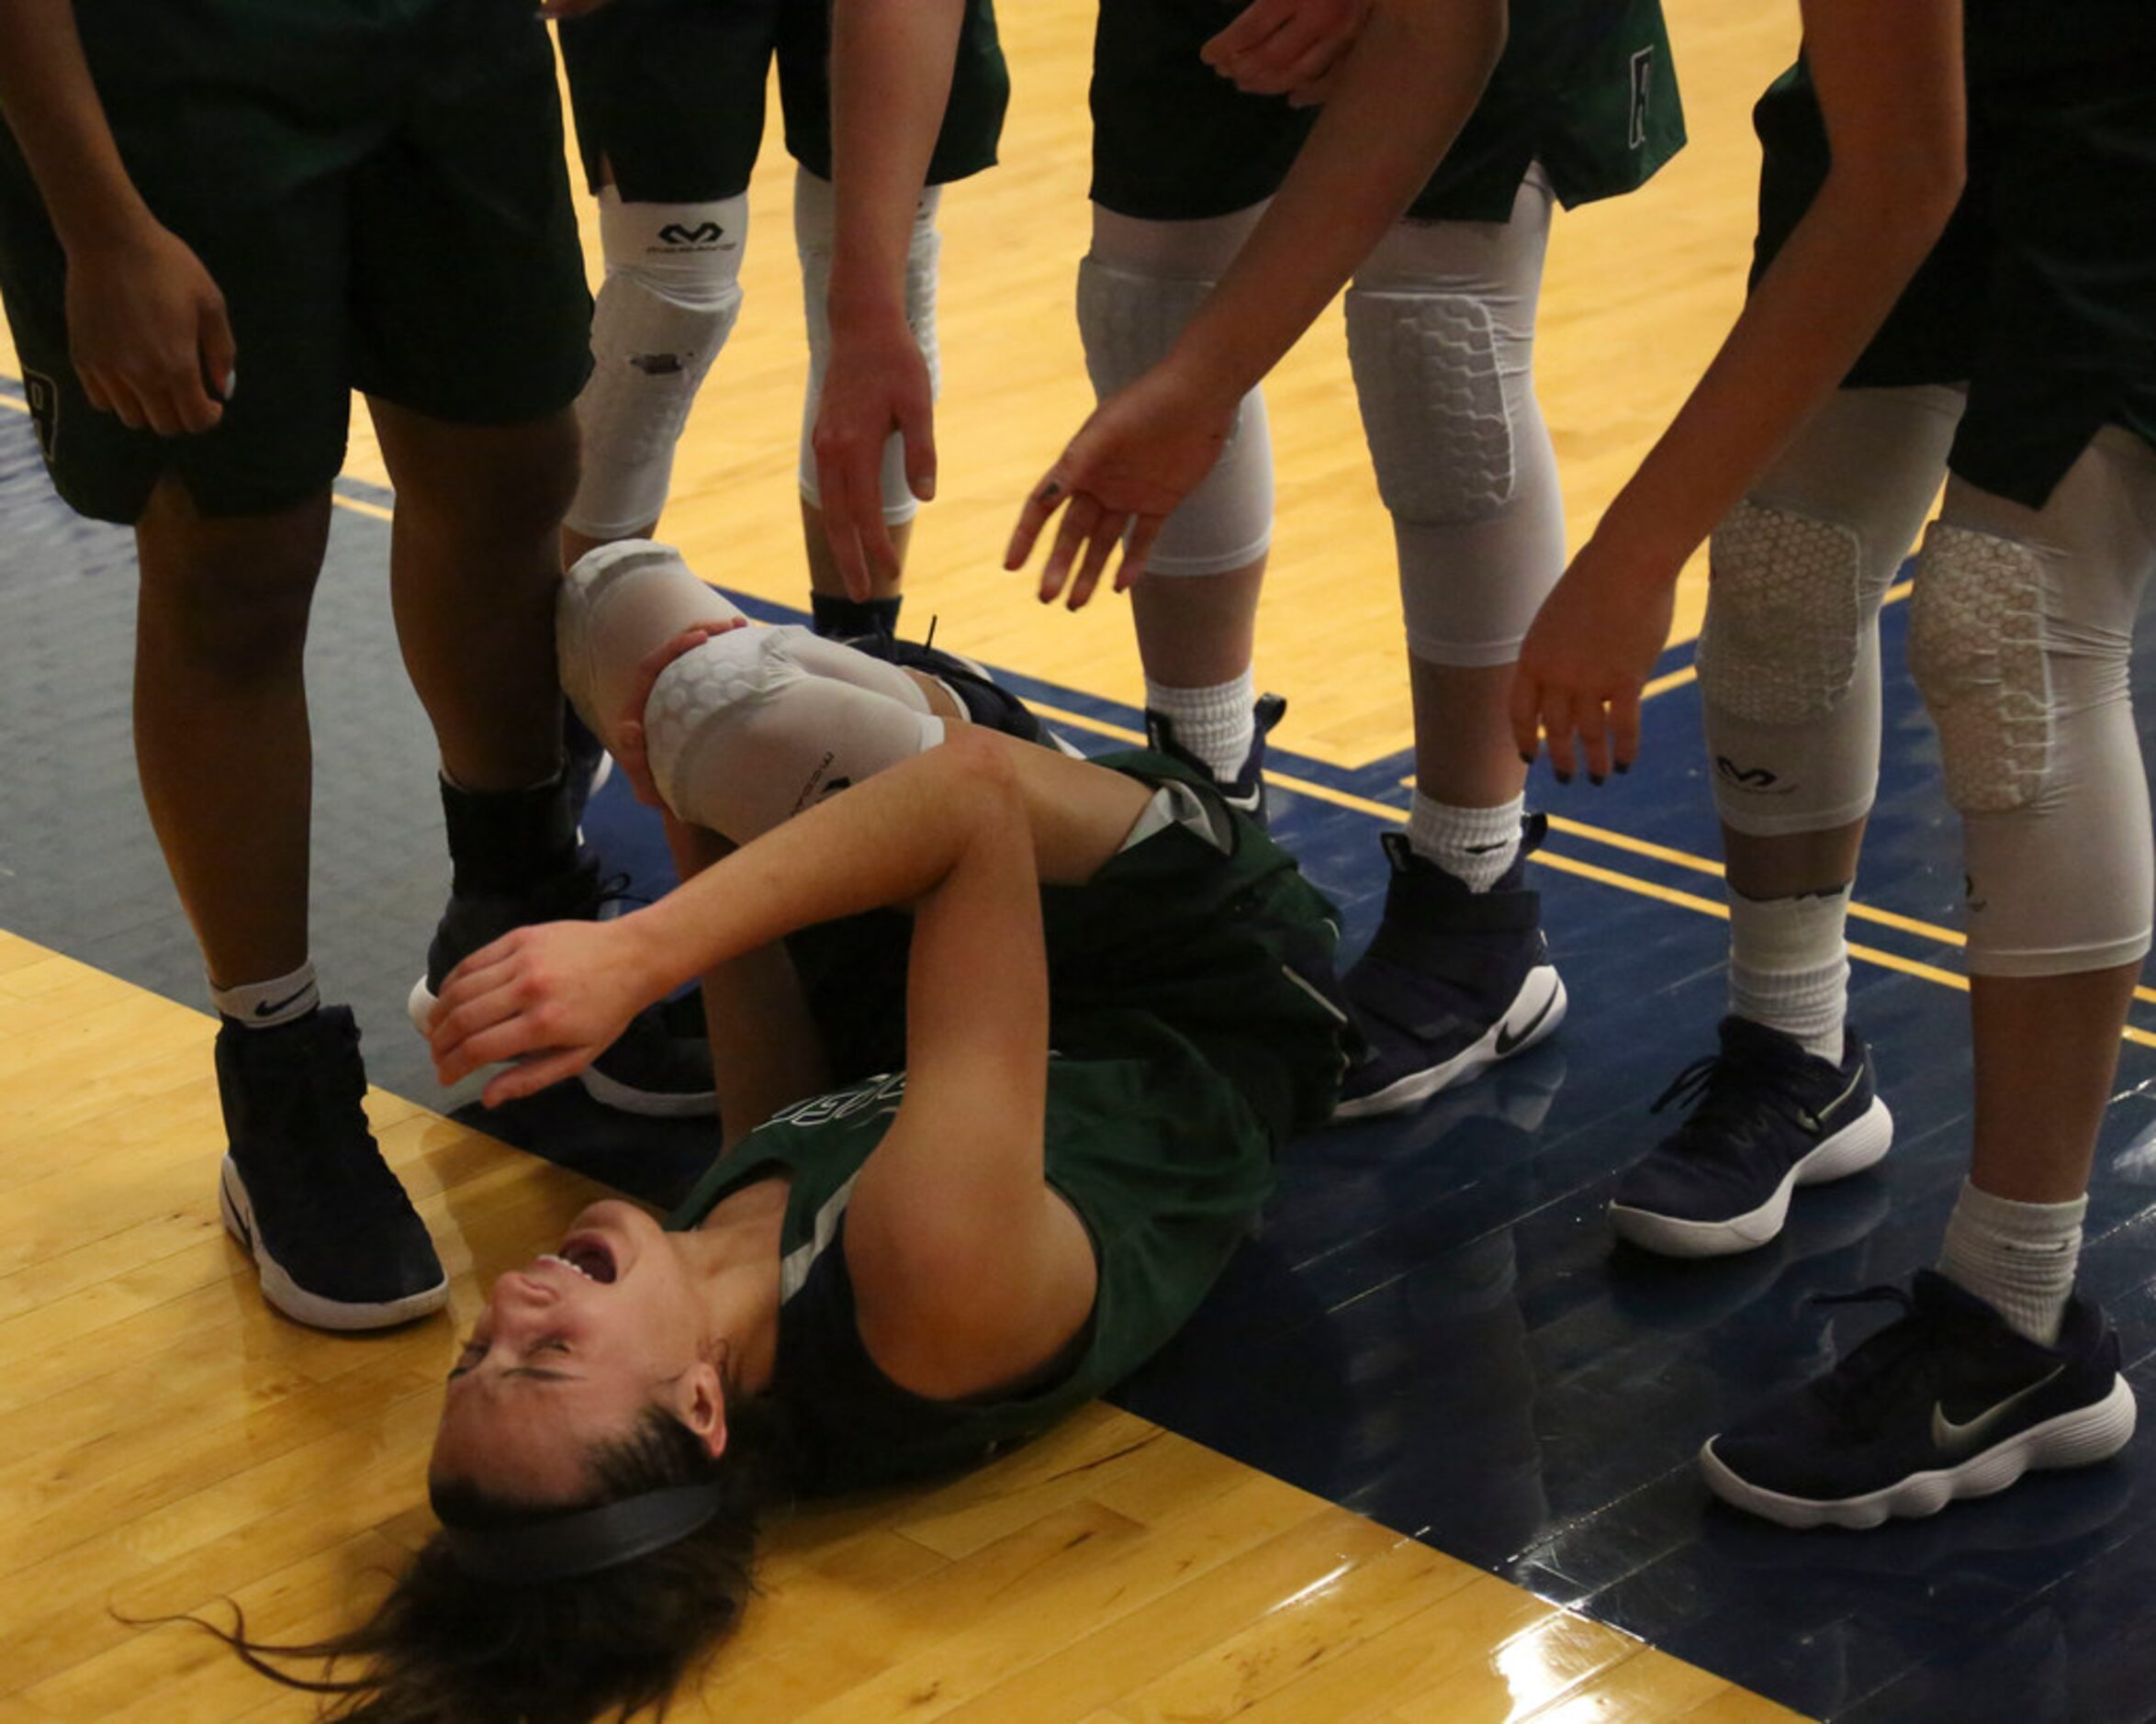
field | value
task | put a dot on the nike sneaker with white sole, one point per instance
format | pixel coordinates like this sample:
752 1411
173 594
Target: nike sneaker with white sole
1947 1402
1453 982
1766 1116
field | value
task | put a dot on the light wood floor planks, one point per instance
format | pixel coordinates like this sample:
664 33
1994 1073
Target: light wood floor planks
169 1443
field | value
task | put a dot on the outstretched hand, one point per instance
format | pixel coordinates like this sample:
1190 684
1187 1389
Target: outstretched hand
631 752
550 998
1145 449
1582 666
148 334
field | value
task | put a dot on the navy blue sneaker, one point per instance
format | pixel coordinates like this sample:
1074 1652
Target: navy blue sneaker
1766 1117
652 1071
1452 981
1947 1402
304 1188
1245 792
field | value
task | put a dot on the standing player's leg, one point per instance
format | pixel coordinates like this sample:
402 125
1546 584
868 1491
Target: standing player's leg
1196 609
1788 665
1441 335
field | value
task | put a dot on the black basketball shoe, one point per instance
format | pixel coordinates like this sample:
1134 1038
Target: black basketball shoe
1452 981
1767 1117
651 1070
304 1188
1245 792
1947 1402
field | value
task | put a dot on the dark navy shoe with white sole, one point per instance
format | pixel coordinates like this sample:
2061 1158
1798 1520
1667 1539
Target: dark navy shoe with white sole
1946 1402
651 1070
1766 1117
304 1188
1245 792
1452 981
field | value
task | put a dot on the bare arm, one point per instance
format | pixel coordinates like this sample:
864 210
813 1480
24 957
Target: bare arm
1399 98
1890 87
145 322
891 75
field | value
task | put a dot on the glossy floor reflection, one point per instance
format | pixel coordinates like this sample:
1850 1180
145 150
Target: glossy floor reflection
1434 1327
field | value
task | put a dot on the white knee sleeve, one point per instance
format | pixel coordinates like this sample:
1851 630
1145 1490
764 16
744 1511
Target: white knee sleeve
1441 340
1789 655
2020 639
1137 288
814 225
672 295
620 601
744 731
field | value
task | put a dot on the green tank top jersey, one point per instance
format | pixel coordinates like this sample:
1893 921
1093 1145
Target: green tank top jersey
1194 1027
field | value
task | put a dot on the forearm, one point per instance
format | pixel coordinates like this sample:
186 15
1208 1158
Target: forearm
53 110
1404 90
890 77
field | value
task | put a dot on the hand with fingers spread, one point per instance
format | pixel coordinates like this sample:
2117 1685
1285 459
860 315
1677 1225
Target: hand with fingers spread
550 998
147 332
1286 47
877 382
1591 649
627 741
1144 449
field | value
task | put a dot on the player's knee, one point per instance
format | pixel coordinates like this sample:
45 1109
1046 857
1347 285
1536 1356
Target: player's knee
1130 310
1429 380
1976 654
670 299
1786 616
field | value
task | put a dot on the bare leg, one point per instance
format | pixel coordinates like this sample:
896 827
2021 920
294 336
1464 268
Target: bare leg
1196 631
220 721
824 575
1465 755
2047 1050
474 564
1794 864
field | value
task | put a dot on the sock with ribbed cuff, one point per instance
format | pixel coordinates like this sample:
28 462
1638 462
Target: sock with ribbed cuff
2019 1259
263 1005
1789 966
1475 845
1215 724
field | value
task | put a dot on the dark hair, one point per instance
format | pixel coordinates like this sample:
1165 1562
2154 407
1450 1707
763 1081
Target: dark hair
445 1648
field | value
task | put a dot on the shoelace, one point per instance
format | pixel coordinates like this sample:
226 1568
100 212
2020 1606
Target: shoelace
1718 1093
1877 1372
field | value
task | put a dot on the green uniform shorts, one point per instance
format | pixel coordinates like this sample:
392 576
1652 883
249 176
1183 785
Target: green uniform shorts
380 192
1585 87
2040 296
668 94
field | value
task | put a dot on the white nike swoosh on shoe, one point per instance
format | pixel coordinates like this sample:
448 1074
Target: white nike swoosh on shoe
1811 1121
1961 1439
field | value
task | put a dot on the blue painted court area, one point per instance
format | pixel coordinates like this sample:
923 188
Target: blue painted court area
1435 1326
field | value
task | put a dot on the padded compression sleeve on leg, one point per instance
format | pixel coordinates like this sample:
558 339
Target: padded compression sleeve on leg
1137 288
1789 655
2058 855
670 299
1441 340
814 229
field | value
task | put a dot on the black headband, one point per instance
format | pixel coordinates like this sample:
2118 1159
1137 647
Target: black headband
588 1540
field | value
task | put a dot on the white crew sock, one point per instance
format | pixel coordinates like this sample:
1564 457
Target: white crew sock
263 1005
1475 845
1789 966
1215 724
2018 1259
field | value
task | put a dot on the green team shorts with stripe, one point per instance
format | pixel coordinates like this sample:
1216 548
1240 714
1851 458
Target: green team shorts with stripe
1204 940
2040 296
668 94
1585 87
381 193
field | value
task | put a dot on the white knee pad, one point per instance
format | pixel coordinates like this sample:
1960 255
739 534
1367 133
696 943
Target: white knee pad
2021 642
617 603
1137 288
1440 341
672 295
816 225
744 733
1789 655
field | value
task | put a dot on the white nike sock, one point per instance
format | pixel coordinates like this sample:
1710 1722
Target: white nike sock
1789 966
263 1005
2019 1259
1213 723
1475 845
